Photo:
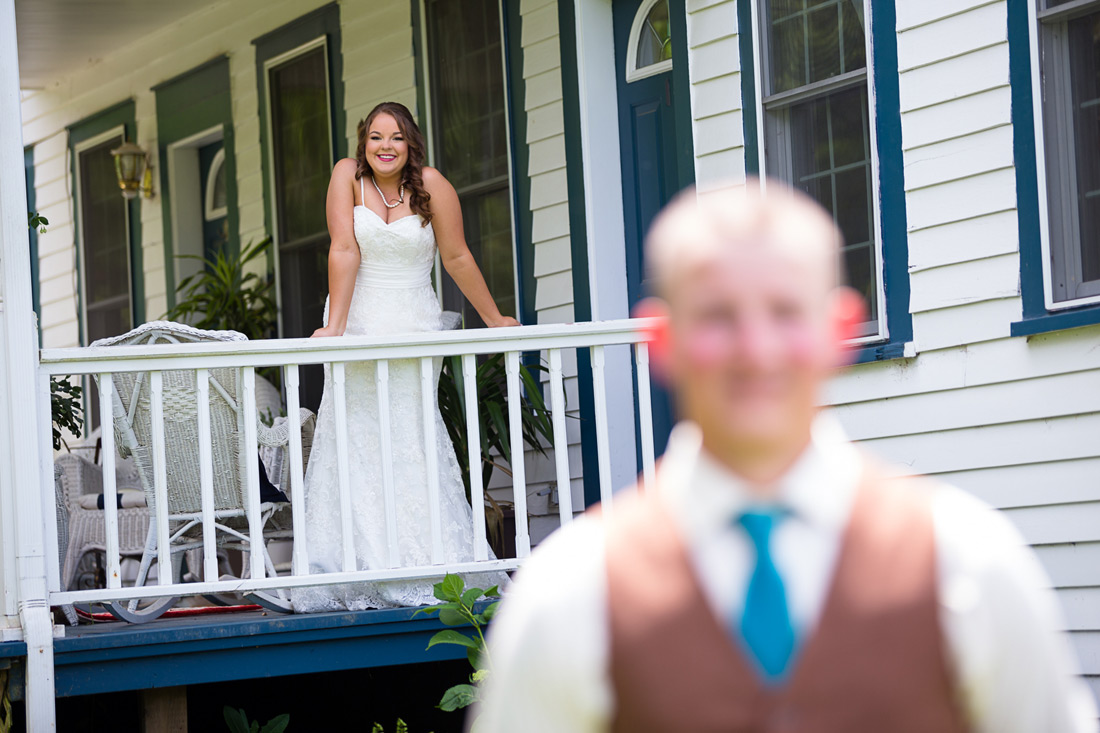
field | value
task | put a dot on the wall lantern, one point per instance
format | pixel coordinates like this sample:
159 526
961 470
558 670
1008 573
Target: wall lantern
133 170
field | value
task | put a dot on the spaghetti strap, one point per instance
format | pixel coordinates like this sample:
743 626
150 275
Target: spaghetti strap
362 196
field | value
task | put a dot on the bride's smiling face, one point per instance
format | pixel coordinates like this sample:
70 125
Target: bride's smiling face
386 149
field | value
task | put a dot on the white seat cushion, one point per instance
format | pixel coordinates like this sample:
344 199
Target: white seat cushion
130 498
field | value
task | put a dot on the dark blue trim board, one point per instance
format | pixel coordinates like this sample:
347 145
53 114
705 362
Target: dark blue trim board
167 653
1036 318
582 298
748 87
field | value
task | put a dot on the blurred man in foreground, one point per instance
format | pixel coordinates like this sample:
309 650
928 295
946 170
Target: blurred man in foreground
775 578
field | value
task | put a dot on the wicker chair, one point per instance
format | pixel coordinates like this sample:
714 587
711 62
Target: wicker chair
134 435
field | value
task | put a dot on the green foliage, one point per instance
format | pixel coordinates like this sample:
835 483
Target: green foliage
222 296
238 722
458 609
401 727
492 397
67 408
37 221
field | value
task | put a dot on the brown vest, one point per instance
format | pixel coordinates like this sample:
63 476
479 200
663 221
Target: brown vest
875 662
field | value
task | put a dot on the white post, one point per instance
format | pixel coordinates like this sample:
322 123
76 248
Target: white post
300 557
252 477
518 465
603 449
206 478
160 478
342 470
429 404
645 412
110 490
561 441
386 438
18 354
473 443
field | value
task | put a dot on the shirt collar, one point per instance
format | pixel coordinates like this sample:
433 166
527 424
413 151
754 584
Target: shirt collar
706 496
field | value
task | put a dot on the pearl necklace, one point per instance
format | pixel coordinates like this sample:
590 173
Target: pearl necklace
400 195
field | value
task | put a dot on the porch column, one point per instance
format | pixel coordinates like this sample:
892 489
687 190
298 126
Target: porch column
603 205
20 483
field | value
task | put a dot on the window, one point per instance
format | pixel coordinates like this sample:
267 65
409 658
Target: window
818 125
1069 67
470 136
299 114
104 240
650 46
215 204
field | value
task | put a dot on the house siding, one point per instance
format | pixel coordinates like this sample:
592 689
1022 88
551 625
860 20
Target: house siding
1012 420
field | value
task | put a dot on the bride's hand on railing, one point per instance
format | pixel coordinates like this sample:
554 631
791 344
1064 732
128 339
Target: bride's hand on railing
503 321
326 331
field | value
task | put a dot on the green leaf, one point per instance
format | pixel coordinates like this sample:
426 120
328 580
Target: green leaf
479 675
450 636
255 727
401 727
490 611
377 728
470 596
427 610
474 656
451 588
235 719
493 592
277 724
452 617
458 697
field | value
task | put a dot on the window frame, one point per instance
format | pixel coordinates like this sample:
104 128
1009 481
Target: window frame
768 105
268 119
633 73
94 141
426 123
1043 29
217 166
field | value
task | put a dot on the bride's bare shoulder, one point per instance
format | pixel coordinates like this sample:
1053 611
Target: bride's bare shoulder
435 181
345 168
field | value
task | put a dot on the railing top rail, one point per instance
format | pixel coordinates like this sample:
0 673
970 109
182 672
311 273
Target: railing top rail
268 352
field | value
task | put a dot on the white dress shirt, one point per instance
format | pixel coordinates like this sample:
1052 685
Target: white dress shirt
1001 623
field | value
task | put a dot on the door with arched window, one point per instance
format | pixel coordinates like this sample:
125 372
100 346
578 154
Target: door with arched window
649 139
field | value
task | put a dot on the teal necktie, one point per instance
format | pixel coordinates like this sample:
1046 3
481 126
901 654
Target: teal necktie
765 623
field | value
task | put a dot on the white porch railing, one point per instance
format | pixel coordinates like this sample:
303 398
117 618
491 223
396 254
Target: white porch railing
602 339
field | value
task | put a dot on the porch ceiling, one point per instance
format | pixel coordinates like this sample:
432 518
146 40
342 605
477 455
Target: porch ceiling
59 37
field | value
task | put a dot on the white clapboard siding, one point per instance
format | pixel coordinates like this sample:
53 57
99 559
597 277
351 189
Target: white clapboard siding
963 325
911 15
715 80
960 157
1034 484
1087 646
954 117
972 239
1048 525
979 27
962 199
1002 402
1071 565
963 283
1081 608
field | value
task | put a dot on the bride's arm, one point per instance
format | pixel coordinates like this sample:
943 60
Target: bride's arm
453 251
343 253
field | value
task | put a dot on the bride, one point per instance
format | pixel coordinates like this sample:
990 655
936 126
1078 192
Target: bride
387 214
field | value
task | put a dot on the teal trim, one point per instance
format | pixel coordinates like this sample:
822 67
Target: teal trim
187 104
578 241
681 110
36 286
879 352
895 236
114 116
521 155
1036 318
748 87
420 60
324 21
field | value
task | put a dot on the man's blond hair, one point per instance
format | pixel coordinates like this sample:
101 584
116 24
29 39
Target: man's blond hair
696 227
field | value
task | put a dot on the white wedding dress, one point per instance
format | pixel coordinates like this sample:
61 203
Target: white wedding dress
393 294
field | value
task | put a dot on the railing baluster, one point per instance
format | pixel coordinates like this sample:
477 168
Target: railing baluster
110 490
386 436
473 442
300 561
645 412
518 464
561 440
603 448
47 491
431 454
252 476
206 478
340 403
160 479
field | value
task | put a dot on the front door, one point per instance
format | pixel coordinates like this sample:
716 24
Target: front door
649 141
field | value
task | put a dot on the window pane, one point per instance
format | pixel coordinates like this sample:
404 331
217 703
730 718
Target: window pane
219 199
106 249
815 40
655 41
301 145
471 138
830 161
1084 34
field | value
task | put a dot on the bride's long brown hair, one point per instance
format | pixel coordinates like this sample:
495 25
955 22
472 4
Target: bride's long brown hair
413 177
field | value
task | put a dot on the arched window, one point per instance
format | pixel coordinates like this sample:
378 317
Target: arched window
650 46
215 206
